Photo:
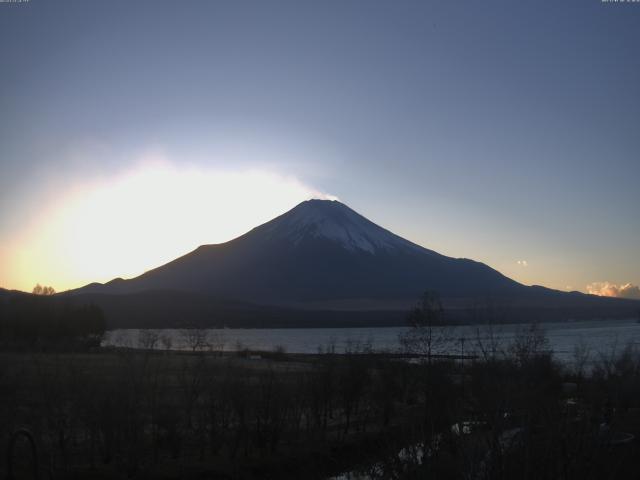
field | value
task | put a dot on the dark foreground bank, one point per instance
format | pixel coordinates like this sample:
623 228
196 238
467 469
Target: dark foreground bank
511 413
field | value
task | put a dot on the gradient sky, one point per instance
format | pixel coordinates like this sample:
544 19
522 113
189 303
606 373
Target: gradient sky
507 132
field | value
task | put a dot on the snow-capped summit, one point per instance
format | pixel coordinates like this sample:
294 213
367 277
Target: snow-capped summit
334 221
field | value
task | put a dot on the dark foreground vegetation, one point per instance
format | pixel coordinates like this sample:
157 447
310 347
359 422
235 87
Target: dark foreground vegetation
42 322
513 413
70 409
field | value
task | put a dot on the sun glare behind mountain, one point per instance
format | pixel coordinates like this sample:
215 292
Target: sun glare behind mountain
150 215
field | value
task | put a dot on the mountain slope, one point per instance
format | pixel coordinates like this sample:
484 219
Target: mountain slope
320 251
322 264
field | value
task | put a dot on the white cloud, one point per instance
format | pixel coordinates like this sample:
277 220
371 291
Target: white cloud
607 289
523 263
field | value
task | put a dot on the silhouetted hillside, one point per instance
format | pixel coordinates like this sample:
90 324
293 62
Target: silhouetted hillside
318 251
158 309
323 257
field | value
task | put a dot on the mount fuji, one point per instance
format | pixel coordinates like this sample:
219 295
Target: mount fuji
319 251
319 256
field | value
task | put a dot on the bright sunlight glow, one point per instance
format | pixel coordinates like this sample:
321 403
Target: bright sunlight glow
142 219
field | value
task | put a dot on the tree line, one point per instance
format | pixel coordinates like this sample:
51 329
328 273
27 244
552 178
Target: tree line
44 321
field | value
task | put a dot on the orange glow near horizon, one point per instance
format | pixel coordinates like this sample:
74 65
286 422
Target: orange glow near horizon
133 222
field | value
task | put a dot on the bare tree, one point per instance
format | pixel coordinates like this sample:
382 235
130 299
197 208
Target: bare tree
195 338
581 354
427 332
148 339
167 341
529 342
488 334
216 341
43 290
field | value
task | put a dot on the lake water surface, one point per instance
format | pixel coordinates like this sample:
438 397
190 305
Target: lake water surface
597 337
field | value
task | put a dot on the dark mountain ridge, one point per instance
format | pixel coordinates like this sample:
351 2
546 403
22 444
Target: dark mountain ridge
322 257
318 251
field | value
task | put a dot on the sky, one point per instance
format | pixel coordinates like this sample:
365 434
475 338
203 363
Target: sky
133 131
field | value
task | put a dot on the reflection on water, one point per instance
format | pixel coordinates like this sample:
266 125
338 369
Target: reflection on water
592 339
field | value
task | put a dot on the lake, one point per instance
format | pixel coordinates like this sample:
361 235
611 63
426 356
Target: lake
597 337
